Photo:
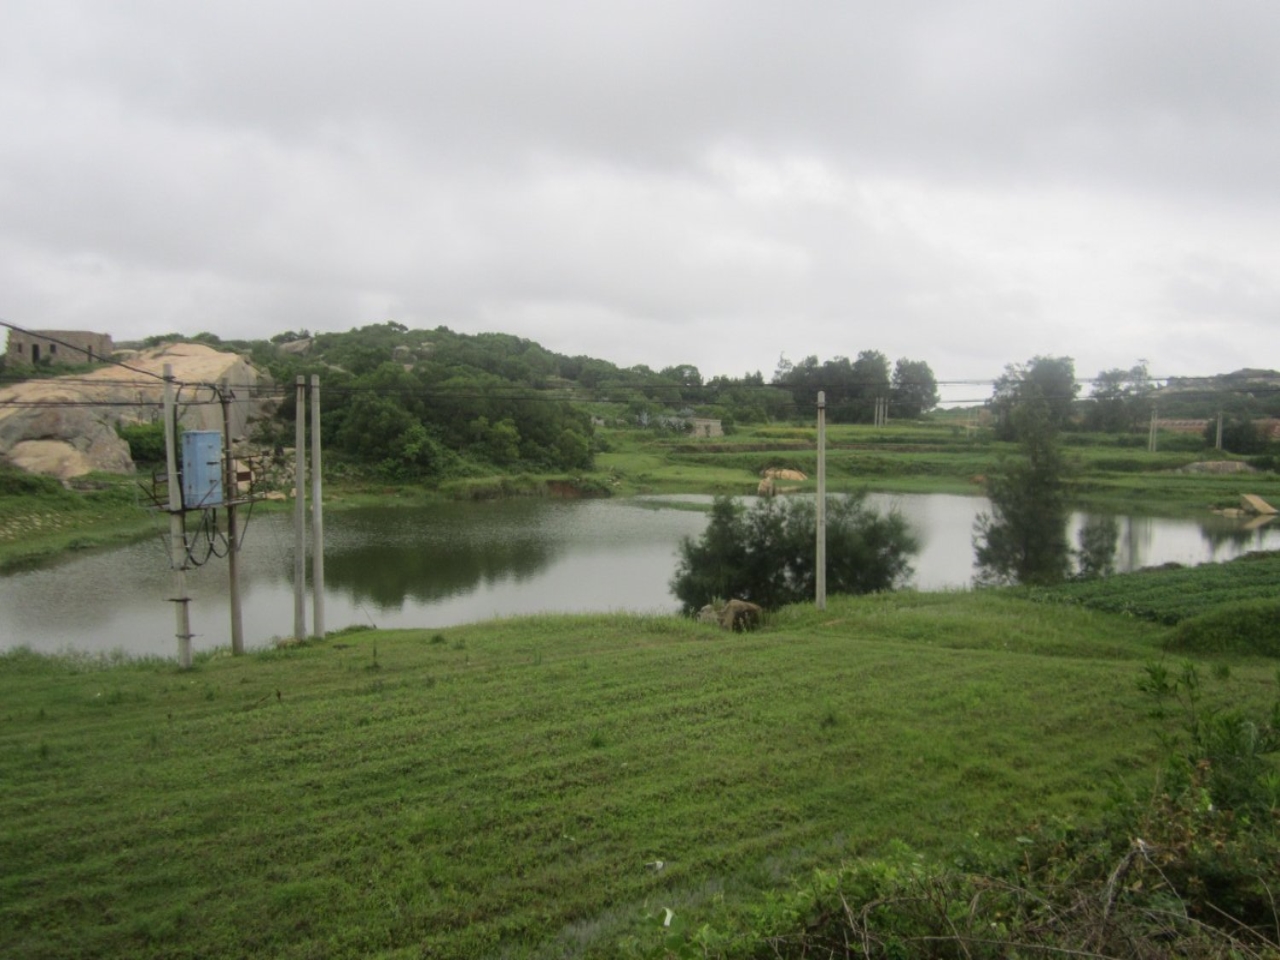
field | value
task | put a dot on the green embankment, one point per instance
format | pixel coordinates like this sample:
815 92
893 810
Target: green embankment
39 518
535 787
1109 472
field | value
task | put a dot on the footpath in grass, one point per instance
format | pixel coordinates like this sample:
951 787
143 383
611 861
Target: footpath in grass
535 787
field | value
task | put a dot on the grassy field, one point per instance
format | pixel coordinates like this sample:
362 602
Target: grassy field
537 787
1109 472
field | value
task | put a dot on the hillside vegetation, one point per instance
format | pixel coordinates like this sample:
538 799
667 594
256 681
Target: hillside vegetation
549 786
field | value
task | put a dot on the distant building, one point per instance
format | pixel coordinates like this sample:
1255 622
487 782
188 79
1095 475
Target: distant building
705 427
32 347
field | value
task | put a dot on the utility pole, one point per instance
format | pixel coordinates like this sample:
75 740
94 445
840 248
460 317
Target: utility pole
1151 437
230 486
177 526
300 511
1218 445
820 561
317 514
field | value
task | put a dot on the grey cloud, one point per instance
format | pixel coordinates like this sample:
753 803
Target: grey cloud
742 178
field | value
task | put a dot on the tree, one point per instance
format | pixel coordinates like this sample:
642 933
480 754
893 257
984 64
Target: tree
1047 380
871 381
851 387
687 377
766 553
1239 434
497 442
1120 401
1024 538
914 390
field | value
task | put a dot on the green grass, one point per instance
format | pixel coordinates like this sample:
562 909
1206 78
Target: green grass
39 518
1109 472
504 789
1246 628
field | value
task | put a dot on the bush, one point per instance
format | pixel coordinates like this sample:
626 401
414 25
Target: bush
19 483
766 554
146 441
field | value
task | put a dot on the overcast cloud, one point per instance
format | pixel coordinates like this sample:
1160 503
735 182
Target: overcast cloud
716 183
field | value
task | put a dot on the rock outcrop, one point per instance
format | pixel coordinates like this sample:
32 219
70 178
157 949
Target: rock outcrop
736 615
65 426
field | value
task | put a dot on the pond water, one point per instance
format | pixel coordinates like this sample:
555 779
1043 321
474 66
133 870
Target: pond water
445 564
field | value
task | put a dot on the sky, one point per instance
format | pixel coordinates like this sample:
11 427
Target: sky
659 182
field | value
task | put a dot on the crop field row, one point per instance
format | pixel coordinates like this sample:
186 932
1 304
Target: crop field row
1170 596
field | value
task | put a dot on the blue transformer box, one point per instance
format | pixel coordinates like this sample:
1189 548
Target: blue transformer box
201 469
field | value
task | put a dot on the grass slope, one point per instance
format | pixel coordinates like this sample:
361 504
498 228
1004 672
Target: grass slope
1172 595
506 789
39 518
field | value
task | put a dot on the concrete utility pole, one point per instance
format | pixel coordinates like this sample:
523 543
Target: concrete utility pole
820 560
1151 438
231 492
317 514
177 526
300 511
1218 445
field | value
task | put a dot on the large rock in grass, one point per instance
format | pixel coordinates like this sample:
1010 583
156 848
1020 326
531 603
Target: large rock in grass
736 615
61 441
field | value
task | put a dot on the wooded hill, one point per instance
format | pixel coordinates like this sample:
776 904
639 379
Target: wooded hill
413 405
424 404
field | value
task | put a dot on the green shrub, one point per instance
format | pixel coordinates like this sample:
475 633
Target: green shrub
146 441
765 554
19 483
1251 627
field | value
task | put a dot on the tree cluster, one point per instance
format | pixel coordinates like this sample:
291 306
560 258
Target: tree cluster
853 388
1121 401
424 404
1048 383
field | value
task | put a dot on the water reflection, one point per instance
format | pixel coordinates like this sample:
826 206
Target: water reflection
1024 543
455 563
383 558
1097 539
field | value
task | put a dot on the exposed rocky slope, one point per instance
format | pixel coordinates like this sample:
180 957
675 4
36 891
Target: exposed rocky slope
65 426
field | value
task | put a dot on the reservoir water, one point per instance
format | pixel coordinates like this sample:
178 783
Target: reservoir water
441 565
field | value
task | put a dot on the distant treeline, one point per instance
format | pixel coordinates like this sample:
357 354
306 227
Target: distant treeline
416 404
